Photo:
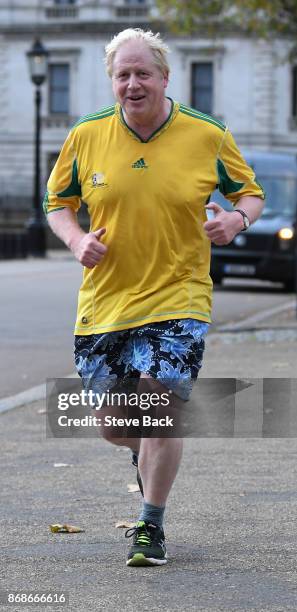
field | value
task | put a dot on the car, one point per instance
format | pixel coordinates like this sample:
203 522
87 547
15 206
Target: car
267 250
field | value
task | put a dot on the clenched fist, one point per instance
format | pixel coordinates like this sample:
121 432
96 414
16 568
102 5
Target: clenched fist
89 250
224 226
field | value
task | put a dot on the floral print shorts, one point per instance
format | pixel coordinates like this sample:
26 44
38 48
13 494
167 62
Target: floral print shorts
170 351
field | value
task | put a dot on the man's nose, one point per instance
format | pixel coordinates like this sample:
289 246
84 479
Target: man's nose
133 81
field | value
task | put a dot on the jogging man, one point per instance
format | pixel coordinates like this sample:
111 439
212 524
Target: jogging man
146 167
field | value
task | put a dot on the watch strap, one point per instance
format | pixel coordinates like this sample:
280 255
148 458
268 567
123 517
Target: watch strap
245 218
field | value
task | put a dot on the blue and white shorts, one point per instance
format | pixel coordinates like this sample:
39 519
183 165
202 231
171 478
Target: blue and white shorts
170 352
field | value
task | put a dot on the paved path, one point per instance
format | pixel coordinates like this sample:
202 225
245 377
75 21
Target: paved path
38 308
230 524
230 521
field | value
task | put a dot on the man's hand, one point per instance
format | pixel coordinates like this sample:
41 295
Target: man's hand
225 225
88 249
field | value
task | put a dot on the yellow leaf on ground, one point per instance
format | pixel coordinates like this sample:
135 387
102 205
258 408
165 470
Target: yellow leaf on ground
57 528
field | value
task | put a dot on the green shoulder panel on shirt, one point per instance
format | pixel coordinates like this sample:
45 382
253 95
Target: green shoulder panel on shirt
191 112
74 189
226 183
108 111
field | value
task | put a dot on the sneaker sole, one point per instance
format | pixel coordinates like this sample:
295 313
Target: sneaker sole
139 560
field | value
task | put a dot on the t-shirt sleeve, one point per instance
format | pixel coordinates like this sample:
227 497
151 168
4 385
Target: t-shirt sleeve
235 177
63 188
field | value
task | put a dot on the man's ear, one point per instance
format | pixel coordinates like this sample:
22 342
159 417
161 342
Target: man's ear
166 79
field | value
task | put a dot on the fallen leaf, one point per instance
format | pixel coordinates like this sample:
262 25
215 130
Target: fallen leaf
133 488
125 525
72 529
57 528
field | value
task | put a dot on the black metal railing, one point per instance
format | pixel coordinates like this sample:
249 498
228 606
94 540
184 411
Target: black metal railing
13 244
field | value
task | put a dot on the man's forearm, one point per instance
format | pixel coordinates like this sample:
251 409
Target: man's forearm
252 206
65 225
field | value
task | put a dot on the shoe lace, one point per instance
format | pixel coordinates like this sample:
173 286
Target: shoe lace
143 537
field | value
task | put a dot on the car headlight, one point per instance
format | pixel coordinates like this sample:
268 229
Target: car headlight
286 233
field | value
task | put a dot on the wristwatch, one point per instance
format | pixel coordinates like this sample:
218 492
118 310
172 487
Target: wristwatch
246 221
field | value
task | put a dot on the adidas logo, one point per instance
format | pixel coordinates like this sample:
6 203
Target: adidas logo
140 163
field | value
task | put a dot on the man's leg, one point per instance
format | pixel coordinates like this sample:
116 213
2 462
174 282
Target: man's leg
158 458
121 436
158 463
111 434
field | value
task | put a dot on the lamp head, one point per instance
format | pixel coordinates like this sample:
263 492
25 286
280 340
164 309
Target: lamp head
38 62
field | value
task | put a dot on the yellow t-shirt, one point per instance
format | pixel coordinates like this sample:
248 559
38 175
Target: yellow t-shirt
150 196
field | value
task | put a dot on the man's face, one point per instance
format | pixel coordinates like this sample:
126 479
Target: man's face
138 84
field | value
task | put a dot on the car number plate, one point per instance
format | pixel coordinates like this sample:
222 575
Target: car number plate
245 270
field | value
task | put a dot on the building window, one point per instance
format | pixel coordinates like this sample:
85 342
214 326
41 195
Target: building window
62 9
202 87
132 8
294 92
59 76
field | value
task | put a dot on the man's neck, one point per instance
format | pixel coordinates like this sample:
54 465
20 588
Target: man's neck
145 129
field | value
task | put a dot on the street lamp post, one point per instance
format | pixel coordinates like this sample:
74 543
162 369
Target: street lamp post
38 62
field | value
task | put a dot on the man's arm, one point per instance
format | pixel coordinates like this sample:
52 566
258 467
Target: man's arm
225 225
86 247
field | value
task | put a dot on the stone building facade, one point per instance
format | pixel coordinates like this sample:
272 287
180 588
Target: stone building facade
247 83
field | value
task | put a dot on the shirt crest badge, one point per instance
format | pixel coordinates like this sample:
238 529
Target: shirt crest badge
98 179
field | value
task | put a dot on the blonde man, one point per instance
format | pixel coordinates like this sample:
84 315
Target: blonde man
146 167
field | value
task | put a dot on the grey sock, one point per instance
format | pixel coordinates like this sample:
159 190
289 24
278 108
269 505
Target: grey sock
152 514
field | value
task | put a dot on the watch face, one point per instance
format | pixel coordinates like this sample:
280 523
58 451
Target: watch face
246 222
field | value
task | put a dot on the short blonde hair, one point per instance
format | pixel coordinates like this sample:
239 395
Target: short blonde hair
153 41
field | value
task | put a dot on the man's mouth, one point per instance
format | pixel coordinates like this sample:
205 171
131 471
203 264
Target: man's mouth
136 98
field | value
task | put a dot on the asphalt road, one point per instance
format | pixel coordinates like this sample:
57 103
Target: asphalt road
38 309
230 521
229 524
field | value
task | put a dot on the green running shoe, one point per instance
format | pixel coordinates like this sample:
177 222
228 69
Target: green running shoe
148 546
